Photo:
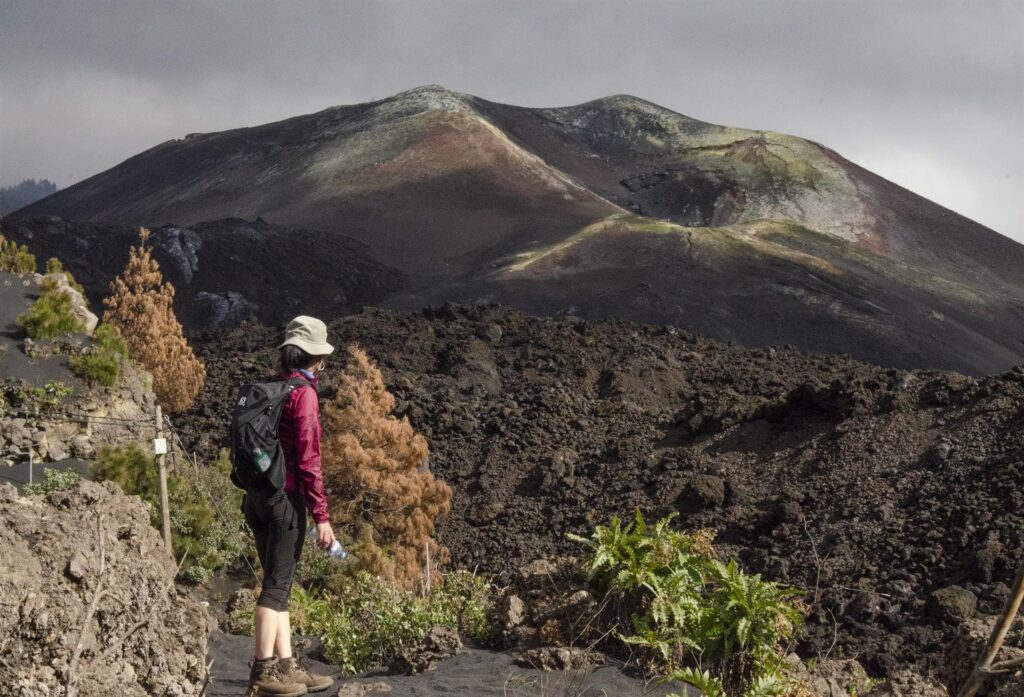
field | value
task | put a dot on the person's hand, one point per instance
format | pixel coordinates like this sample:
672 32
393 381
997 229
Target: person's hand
324 534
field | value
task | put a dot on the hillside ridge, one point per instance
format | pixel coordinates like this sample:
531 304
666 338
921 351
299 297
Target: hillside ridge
449 191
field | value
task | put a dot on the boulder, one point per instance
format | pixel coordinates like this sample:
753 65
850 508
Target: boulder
538 573
558 658
439 643
511 612
986 560
704 491
81 447
56 450
952 604
507 616
560 470
79 305
79 566
489 332
221 310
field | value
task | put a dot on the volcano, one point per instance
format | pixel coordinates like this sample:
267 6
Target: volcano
612 208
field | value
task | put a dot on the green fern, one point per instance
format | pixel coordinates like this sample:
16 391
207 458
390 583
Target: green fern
767 686
690 609
702 680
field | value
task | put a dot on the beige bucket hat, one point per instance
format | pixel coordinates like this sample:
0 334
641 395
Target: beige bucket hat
309 334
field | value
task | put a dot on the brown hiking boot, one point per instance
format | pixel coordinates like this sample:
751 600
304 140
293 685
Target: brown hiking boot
297 671
265 680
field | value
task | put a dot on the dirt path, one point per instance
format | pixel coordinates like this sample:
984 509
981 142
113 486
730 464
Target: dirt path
475 673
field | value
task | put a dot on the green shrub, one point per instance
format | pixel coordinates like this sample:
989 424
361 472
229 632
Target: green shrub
23 395
102 362
317 570
221 538
15 258
53 479
704 621
463 601
53 394
53 265
211 541
131 468
365 622
50 315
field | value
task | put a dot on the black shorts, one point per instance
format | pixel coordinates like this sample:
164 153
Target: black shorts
278 522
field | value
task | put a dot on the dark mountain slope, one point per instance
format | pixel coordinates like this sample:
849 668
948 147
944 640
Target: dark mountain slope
757 283
223 271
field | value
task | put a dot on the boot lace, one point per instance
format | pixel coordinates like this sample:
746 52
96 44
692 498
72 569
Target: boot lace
268 671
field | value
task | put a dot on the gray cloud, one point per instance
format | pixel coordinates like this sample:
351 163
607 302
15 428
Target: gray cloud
928 94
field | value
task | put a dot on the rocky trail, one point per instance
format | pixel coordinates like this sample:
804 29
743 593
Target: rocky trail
894 497
473 671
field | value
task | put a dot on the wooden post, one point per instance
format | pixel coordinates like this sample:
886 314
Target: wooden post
995 640
160 447
426 546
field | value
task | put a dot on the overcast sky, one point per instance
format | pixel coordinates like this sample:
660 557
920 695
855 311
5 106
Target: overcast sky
929 94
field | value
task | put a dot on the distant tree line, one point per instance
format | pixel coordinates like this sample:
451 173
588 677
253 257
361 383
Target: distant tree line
20 195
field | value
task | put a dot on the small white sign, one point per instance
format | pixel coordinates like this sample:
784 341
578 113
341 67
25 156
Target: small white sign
160 446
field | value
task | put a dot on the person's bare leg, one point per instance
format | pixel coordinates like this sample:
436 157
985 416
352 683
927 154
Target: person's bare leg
267 625
283 641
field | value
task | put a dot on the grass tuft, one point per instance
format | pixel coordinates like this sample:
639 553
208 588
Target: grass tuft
103 360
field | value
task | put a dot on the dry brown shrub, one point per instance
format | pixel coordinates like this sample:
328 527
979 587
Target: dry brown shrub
375 475
140 307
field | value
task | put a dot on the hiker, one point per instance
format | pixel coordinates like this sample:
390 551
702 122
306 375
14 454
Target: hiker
278 516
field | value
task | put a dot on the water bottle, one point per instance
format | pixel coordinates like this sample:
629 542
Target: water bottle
262 459
335 550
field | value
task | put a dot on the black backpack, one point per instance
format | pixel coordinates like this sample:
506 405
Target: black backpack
256 456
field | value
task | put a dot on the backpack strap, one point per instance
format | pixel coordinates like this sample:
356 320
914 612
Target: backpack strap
299 382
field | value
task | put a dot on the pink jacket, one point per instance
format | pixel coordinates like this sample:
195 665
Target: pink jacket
299 432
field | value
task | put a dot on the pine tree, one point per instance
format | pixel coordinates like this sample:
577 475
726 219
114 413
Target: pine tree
377 481
140 307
